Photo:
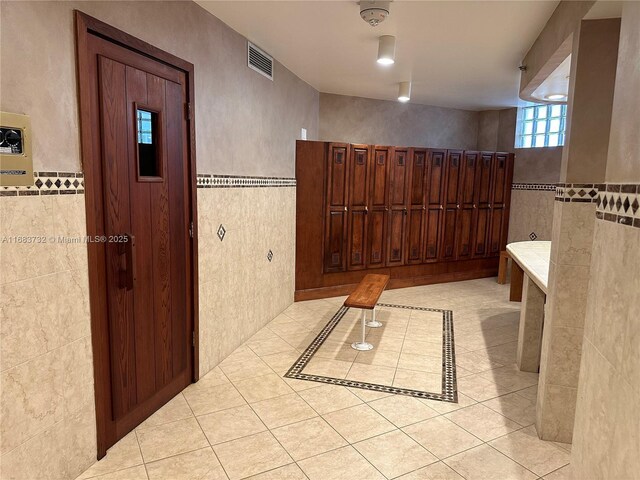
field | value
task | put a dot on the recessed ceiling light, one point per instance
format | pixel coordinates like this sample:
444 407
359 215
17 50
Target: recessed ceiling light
554 97
404 92
386 50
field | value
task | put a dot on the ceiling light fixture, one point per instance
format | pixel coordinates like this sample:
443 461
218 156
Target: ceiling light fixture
404 92
386 50
374 12
555 97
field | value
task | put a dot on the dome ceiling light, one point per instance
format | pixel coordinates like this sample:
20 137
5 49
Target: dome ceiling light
374 12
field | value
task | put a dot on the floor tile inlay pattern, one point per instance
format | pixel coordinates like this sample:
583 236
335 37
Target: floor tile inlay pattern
422 331
245 419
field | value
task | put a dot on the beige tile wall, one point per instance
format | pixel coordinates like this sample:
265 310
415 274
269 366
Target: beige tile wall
47 427
240 290
531 211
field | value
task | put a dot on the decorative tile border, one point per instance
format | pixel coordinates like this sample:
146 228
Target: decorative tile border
578 192
545 187
49 183
619 203
206 180
449 391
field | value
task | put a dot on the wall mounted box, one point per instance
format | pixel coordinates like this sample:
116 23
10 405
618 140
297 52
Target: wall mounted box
16 163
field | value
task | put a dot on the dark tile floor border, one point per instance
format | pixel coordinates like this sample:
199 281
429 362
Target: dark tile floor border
449 392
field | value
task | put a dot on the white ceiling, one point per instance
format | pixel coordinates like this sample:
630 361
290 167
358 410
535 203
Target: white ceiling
462 54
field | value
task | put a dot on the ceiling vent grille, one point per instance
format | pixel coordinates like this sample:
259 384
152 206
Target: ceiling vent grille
259 61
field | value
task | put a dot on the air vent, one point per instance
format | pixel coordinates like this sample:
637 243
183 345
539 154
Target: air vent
259 61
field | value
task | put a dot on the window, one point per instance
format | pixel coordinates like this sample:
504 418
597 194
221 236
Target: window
541 126
148 151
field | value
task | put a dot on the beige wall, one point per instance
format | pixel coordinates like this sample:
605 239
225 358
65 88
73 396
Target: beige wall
246 125
606 437
381 122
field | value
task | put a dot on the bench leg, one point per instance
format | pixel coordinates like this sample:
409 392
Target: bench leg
363 345
373 323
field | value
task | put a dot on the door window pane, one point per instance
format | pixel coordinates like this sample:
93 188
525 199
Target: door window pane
148 153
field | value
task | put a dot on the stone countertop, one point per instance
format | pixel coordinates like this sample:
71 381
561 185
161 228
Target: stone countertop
534 258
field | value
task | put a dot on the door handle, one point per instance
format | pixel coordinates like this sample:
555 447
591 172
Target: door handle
441 207
458 206
127 276
424 208
405 211
346 209
366 209
475 206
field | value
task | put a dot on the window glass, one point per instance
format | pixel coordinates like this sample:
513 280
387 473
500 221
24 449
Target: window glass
541 126
148 153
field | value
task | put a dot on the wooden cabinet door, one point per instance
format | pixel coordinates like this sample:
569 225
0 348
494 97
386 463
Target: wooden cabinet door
498 203
358 207
467 212
418 159
451 205
434 203
398 206
335 227
378 197
483 200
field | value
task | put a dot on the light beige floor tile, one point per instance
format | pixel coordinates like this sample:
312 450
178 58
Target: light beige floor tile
528 450
124 454
420 363
251 455
329 398
515 407
214 377
308 438
132 473
301 385
288 472
175 409
358 423
511 377
367 395
435 471
385 342
283 410
281 360
530 393
270 346
242 369
485 463
476 362
230 424
210 399
442 437
327 368
402 410
239 355
332 465
563 473
446 407
482 422
394 453
481 389
377 356
333 350
417 347
360 372
424 381
171 439
187 466
261 388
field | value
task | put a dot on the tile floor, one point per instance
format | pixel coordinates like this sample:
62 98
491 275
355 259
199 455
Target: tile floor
244 420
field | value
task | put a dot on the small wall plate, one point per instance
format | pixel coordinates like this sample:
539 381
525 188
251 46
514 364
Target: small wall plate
16 162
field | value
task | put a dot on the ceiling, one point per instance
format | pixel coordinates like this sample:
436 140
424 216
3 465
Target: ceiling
462 54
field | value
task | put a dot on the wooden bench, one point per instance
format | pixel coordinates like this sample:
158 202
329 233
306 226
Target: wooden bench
365 297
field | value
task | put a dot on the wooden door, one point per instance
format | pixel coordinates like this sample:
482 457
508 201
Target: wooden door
417 210
497 207
140 199
435 200
483 201
358 207
336 208
378 197
398 206
451 205
468 207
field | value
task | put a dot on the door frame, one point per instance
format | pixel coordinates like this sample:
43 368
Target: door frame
85 26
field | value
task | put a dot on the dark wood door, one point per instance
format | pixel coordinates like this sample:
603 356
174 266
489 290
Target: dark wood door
398 205
435 200
498 205
378 196
139 197
336 209
483 200
358 207
417 209
468 207
451 205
